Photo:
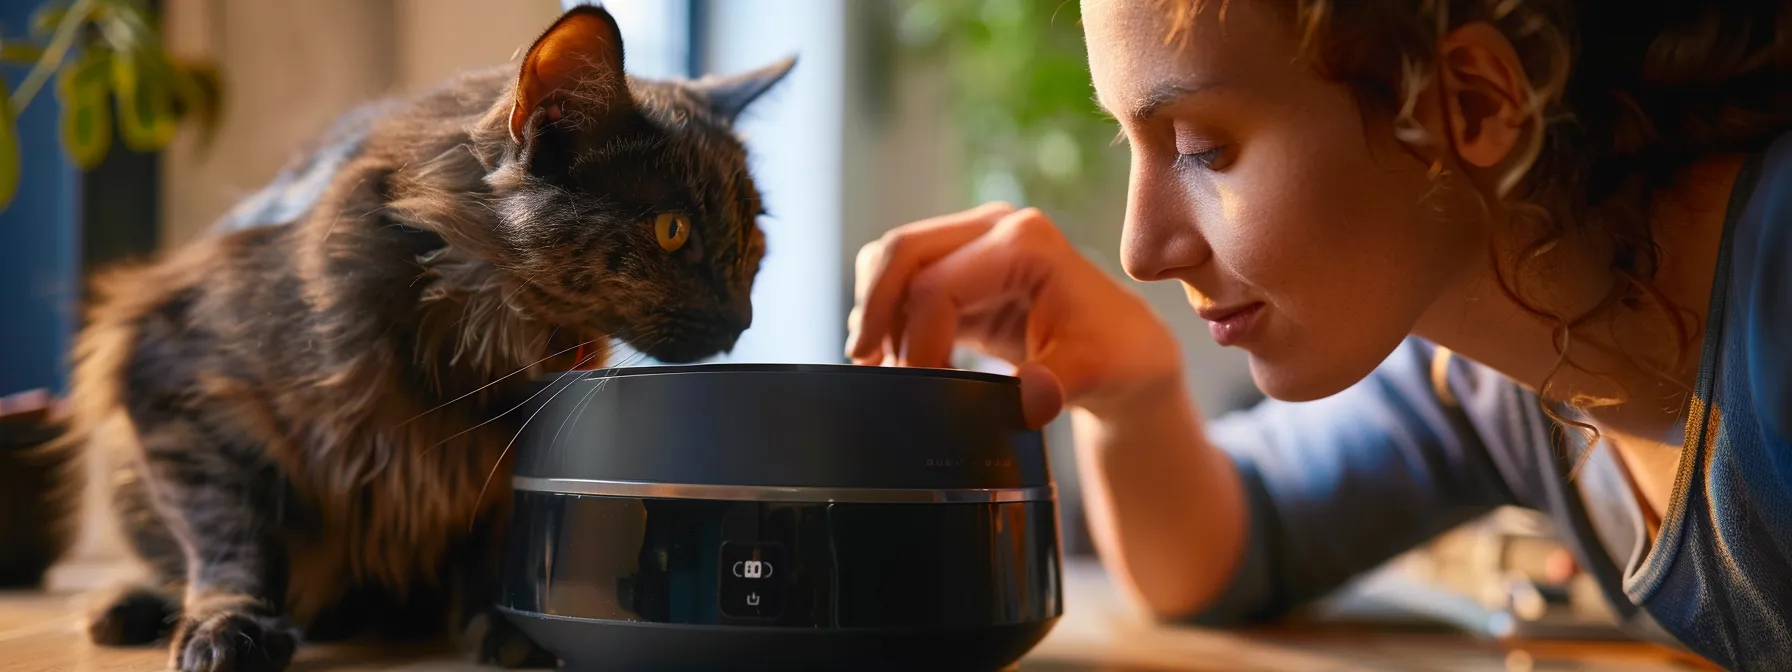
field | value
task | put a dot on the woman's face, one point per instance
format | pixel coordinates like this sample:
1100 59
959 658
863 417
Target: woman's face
1304 232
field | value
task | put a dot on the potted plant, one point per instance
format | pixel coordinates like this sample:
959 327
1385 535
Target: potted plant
105 63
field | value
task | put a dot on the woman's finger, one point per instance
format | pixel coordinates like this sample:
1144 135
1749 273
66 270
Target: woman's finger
1006 266
1014 265
1041 394
883 269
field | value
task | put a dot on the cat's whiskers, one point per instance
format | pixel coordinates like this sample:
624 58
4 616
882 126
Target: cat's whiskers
501 379
499 463
586 400
632 360
574 371
578 408
507 411
382 208
520 287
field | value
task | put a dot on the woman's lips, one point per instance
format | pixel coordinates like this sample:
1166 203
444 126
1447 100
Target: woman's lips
1230 325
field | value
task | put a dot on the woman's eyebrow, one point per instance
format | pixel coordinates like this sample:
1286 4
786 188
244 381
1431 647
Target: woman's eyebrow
1166 94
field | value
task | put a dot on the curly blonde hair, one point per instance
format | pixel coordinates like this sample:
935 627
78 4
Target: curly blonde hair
1626 94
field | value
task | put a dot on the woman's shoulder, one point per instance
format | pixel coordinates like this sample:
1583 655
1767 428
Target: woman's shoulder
1760 322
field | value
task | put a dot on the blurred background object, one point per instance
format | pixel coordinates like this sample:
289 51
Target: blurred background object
897 110
31 536
1023 112
105 62
88 96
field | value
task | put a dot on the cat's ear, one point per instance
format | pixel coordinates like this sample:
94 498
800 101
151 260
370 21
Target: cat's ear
729 95
577 61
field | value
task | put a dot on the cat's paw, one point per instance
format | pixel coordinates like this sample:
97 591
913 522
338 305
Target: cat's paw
493 640
132 617
233 641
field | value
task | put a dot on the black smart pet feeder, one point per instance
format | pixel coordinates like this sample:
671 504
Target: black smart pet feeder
790 517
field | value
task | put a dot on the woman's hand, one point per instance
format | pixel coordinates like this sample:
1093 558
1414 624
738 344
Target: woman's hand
1166 509
1008 283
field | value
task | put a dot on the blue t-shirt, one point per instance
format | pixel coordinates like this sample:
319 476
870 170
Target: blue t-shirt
1339 485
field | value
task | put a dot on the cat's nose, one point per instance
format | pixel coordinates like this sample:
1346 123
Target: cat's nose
740 314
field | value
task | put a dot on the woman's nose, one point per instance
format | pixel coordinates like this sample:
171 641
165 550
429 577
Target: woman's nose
1161 239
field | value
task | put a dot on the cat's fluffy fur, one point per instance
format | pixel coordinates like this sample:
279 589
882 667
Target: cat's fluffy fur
314 409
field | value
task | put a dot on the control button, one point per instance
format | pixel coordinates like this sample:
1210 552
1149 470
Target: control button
752 569
752 581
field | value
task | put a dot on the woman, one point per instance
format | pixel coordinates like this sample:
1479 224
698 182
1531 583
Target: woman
1480 252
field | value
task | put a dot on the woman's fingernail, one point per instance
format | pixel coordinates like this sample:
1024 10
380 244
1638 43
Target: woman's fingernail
854 318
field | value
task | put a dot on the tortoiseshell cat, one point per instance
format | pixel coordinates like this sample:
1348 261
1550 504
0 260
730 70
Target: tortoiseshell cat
311 406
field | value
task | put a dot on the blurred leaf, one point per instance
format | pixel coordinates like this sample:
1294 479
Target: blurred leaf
47 17
123 27
81 87
20 53
1021 98
9 148
67 31
132 17
143 87
101 51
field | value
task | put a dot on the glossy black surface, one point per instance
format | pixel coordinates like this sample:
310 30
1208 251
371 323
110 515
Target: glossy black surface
834 566
807 369
783 425
612 582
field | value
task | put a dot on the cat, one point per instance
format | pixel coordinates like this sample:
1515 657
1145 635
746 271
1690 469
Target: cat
315 394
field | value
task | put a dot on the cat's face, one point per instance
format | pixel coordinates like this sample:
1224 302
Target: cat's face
635 215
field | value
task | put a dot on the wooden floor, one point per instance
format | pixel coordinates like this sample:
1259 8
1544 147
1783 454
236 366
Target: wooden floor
41 633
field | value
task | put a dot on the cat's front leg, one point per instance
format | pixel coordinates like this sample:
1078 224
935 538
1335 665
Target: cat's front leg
219 501
481 631
232 632
490 639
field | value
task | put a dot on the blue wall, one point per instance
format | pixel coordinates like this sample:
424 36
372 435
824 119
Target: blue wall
39 241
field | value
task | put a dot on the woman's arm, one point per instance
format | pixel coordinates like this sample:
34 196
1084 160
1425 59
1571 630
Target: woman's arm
1167 510
1242 518
1281 503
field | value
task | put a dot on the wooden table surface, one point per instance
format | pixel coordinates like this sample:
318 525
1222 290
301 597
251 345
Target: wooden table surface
41 633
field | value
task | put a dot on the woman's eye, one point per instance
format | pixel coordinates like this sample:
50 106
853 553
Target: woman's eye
1195 148
1210 159
672 229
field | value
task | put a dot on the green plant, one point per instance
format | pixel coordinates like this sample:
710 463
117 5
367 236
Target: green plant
1021 97
100 52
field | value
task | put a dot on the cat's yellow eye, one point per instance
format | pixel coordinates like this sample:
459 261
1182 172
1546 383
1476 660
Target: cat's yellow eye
672 228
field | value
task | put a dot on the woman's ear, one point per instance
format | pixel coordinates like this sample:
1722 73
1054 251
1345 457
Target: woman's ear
574 68
1485 92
